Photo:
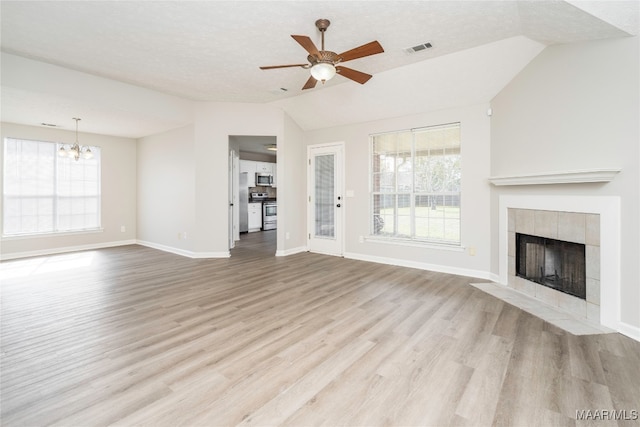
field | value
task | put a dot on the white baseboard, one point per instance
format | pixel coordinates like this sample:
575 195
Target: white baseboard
631 331
184 252
209 255
422 266
292 251
65 249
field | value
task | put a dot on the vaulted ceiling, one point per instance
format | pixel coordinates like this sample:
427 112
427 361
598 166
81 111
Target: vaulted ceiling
211 50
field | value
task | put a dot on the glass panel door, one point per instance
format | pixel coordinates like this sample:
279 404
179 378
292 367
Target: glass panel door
325 205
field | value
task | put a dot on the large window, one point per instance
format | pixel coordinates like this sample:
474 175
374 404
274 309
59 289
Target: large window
46 193
415 184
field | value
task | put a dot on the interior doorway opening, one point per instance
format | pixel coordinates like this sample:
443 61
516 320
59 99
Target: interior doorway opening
253 192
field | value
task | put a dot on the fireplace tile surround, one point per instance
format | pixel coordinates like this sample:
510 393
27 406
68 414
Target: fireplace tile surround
569 227
592 220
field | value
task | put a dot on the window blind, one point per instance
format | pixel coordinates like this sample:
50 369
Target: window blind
46 193
415 184
324 195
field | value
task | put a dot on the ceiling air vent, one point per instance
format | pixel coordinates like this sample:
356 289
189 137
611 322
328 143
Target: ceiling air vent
418 48
279 91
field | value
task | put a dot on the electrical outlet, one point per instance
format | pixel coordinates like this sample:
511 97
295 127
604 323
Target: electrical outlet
472 251
184 235
123 228
361 239
287 236
179 236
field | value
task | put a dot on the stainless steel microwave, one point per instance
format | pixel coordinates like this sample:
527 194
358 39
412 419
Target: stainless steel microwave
264 179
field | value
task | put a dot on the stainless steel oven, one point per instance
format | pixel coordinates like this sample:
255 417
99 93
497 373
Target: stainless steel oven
269 215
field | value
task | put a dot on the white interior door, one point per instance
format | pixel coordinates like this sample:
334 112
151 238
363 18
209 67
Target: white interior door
326 202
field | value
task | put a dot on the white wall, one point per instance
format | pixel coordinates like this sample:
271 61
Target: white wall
475 191
214 122
166 190
576 107
118 208
292 189
183 179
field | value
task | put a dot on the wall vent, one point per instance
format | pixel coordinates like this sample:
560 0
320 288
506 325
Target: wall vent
418 48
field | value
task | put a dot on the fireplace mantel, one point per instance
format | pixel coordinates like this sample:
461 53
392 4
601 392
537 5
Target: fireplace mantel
567 177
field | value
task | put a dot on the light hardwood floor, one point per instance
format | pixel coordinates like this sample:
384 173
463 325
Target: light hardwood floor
134 336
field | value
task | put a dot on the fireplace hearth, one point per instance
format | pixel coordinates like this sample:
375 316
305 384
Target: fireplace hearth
590 220
553 263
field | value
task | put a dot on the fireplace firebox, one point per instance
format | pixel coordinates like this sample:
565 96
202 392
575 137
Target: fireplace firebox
553 263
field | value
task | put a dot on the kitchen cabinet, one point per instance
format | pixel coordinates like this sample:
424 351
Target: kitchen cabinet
264 167
255 217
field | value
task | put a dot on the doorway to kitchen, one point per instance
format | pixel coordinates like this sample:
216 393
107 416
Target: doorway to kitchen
254 217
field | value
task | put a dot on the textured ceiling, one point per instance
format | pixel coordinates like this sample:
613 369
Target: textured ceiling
211 50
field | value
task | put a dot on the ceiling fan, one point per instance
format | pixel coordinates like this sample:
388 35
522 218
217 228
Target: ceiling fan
324 64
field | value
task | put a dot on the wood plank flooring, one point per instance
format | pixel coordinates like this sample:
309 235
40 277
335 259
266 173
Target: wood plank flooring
134 336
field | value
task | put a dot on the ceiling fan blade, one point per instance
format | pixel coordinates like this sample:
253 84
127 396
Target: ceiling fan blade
310 84
270 67
356 76
308 45
368 49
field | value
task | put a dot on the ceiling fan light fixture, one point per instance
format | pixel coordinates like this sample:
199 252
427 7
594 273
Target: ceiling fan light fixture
322 63
323 71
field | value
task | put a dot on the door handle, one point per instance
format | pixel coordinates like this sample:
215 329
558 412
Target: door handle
338 205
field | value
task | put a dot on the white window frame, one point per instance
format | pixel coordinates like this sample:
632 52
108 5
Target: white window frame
56 196
412 240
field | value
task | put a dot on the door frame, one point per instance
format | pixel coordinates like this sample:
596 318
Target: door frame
234 207
340 186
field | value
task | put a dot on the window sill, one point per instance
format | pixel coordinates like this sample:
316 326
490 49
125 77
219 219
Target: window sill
51 234
414 243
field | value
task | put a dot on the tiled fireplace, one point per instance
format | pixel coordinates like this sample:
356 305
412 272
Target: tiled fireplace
592 221
569 238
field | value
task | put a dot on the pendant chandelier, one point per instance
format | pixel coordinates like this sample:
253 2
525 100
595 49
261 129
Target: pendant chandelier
76 150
